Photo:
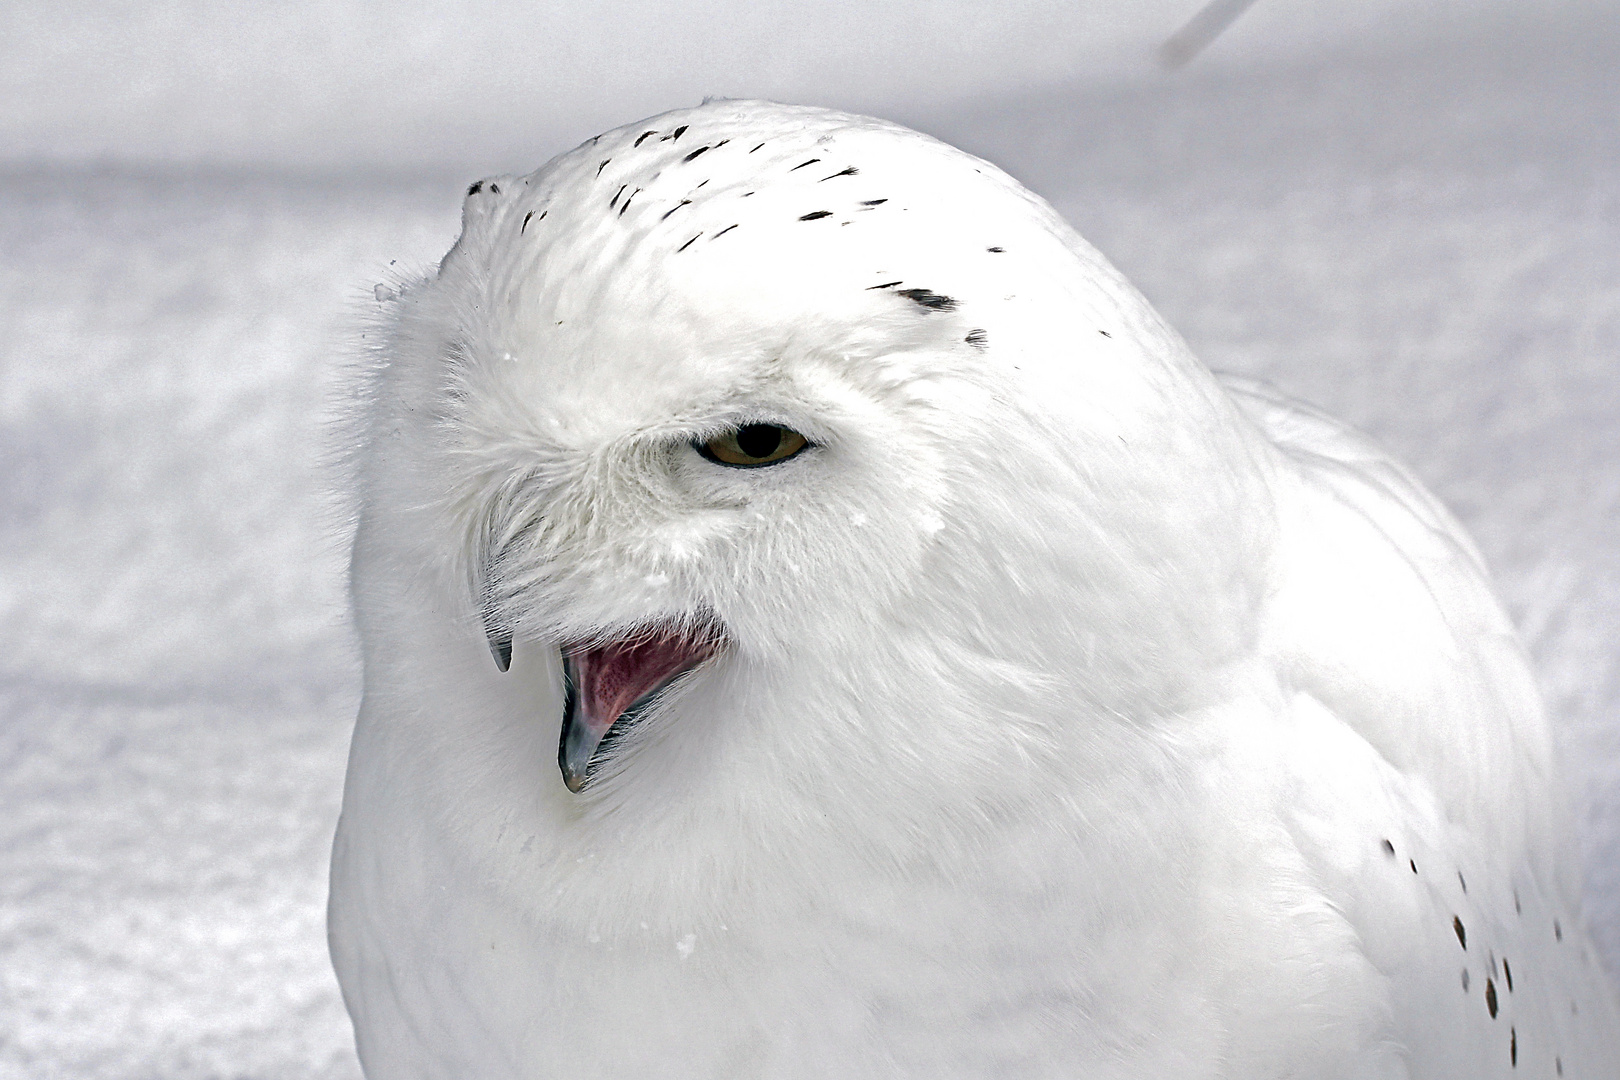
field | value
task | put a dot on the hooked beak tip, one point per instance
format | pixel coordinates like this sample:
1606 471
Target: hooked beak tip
500 647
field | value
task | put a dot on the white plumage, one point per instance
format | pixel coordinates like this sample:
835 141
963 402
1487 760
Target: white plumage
1057 711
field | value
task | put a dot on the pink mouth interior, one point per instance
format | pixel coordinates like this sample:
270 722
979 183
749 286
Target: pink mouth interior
612 677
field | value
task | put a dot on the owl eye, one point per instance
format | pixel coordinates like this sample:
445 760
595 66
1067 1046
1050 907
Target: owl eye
753 445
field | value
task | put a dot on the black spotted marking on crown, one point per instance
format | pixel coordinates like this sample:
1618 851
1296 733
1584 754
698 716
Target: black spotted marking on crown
494 189
1558 931
1490 997
930 300
1106 334
978 339
676 134
995 250
815 215
602 166
615 200
1513 1047
688 244
1507 973
699 152
1465 980
477 186
1462 934
1462 881
1412 864
643 137
756 148
873 202
885 285
804 164
1389 848
525 227
626 205
677 206
851 171
723 231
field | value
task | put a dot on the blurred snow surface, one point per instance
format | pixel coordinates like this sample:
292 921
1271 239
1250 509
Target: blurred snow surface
1427 245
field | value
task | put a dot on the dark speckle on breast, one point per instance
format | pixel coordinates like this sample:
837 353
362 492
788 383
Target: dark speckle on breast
929 299
885 285
525 227
756 148
978 339
696 153
1507 973
995 250
602 166
1513 1047
1389 848
677 206
1558 931
1490 997
478 185
643 137
873 202
851 171
815 215
688 244
1106 334
1462 934
1412 864
494 189
1462 881
802 164
722 232
1465 980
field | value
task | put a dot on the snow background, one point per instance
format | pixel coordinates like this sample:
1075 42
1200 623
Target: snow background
1407 212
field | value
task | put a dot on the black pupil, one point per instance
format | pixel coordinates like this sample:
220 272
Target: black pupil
759 440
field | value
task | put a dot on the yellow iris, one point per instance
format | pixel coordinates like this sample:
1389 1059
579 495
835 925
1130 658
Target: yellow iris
754 445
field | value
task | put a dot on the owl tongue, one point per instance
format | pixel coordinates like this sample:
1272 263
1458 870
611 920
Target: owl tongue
609 680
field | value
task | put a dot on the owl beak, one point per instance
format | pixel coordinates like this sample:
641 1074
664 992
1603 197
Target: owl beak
614 682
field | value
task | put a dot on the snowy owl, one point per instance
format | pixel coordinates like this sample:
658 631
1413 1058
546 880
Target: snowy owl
820 622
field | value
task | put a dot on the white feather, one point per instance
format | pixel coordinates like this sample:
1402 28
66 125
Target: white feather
1079 717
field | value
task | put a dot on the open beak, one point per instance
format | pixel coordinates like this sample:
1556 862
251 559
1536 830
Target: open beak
615 681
